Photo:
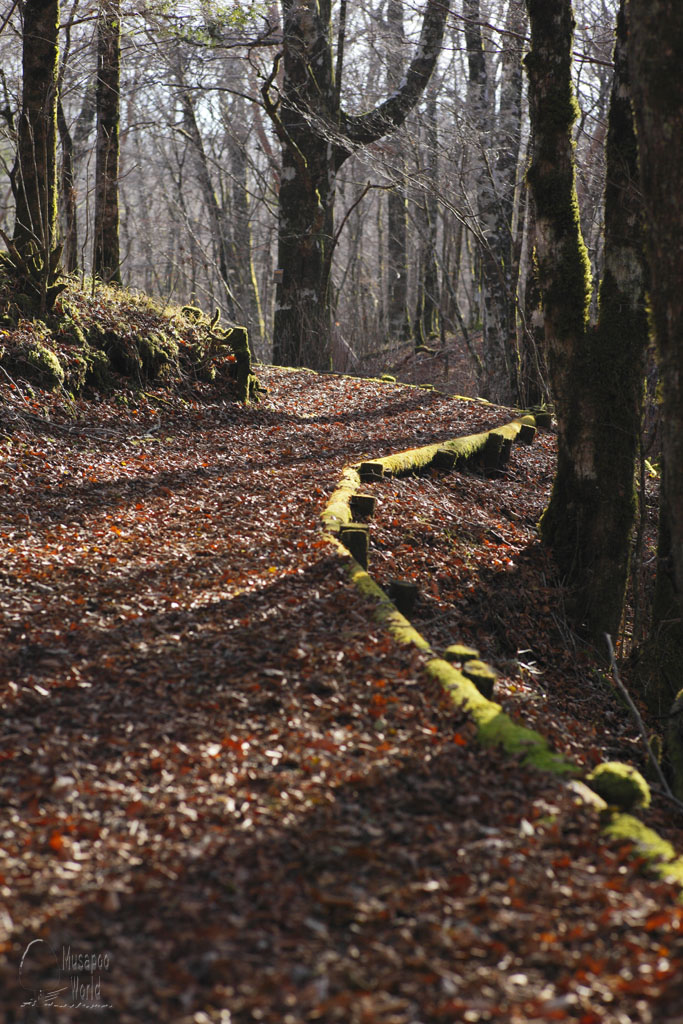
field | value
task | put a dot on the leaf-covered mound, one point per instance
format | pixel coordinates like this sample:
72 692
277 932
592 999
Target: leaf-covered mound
100 338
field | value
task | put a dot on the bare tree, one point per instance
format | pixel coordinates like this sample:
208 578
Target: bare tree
317 136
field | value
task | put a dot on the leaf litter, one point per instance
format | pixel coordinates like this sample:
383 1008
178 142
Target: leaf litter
219 772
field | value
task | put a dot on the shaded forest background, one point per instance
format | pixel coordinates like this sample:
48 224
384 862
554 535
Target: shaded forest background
434 224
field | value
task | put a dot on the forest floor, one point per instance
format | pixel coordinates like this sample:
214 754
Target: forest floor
229 788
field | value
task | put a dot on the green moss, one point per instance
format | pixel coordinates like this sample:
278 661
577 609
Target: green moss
465 448
648 844
620 785
158 354
36 282
66 330
192 313
460 652
248 385
337 511
482 675
98 371
45 365
76 374
385 610
123 352
495 728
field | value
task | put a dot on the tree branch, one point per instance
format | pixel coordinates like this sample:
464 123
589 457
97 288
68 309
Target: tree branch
362 129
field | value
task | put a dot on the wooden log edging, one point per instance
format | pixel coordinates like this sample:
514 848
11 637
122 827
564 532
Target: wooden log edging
464 450
494 726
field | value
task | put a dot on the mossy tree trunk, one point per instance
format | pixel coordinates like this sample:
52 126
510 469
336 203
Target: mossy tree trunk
106 255
596 375
533 370
617 357
34 175
656 63
317 136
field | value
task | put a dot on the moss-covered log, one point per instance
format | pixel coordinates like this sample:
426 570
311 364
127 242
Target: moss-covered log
363 504
460 653
431 456
482 675
356 539
620 785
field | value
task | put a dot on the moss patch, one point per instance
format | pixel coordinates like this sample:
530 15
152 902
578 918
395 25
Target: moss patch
659 853
45 365
337 512
464 448
460 652
29 354
620 785
158 354
107 333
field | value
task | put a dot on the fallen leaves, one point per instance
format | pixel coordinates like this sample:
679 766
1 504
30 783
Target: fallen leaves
219 771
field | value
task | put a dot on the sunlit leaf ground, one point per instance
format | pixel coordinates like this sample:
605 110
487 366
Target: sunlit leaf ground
222 776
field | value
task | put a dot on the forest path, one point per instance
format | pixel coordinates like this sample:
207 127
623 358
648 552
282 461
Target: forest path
219 772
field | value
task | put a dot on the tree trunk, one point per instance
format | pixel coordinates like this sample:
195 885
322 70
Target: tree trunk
317 136
34 175
508 144
427 318
656 30
617 367
247 296
301 326
594 374
68 195
106 255
306 202
498 371
533 370
397 239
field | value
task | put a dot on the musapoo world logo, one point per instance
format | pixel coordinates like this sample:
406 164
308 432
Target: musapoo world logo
71 978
